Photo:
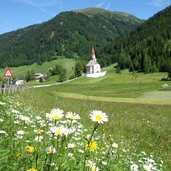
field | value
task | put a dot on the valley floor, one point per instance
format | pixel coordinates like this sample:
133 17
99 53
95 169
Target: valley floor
159 98
138 109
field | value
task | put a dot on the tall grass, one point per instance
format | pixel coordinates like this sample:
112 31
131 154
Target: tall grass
34 140
136 136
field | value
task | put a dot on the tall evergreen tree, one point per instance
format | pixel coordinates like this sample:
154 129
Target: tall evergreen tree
78 69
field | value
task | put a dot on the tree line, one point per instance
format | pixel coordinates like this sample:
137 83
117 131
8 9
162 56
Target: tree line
147 49
60 71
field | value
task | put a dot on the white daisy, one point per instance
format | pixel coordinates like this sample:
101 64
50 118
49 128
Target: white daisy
60 130
1 120
72 116
56 114
92 166
20 132
3 132
50 150
71 145
25 119
134 167
66 131
2 103
89 163
114 145
15 111
98 116
81 151
70 155
104 163
38 139
147 167
38 118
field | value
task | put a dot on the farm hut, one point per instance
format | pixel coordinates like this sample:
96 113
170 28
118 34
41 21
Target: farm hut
39 76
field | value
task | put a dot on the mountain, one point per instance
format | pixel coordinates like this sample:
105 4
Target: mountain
147 48
69 34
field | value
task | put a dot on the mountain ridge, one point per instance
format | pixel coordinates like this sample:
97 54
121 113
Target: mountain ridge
147 48
69 34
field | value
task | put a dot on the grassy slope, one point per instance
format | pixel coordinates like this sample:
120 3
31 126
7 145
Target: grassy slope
123 85
144 124
94 11
22 70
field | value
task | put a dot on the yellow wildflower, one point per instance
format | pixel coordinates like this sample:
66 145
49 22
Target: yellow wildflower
29 149
18 155
91 146
32 169
38 131
89 163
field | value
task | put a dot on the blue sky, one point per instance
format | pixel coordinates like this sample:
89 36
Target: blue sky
15 14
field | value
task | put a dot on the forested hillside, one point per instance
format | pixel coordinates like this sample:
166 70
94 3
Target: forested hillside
147 49
69 34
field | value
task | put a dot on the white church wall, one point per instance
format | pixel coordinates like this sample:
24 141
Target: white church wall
97 68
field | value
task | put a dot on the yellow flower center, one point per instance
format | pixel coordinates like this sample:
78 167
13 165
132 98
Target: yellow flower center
55 117
29 149
32 169
72 117
98 117
91 146
88 164
93 169
18 155
58 132
49 151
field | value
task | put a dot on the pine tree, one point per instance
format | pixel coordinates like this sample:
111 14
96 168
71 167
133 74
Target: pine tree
62 75
78 69
147 64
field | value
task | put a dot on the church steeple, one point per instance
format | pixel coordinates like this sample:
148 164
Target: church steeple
93 54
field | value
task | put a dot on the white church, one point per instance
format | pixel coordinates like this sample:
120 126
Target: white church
93 68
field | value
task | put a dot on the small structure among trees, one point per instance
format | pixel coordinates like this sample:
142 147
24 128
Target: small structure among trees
39 77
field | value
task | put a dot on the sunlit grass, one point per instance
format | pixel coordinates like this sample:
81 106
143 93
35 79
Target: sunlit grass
20 72
135 137
140 133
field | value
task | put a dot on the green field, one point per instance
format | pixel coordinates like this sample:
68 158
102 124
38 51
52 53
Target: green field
124 87
138 107
122 97
20 72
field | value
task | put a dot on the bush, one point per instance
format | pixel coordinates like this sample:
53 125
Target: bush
118 70
78 69
62 75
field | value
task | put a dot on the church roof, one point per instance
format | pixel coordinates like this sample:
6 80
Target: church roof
92 62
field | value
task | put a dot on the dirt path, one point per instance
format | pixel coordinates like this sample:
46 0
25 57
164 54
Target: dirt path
154 97
49 85
162 95
140 100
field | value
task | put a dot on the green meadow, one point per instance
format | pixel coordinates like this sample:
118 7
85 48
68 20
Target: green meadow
22 70
138 106
124 87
